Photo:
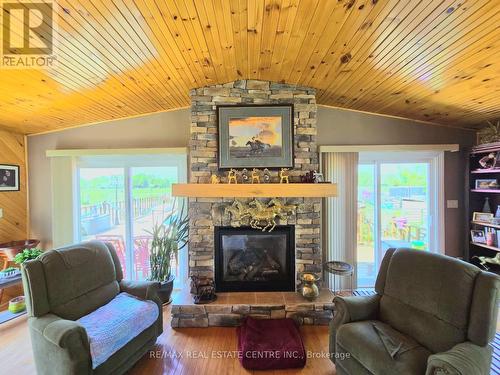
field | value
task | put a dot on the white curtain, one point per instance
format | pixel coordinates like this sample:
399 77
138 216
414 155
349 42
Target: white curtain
340 213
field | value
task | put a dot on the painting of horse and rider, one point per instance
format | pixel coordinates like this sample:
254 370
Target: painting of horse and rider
256 136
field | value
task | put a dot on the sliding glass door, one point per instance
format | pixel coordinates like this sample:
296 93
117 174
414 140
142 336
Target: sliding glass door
119 200
397 204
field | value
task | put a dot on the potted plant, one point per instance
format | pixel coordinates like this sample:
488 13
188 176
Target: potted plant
168 237
27 254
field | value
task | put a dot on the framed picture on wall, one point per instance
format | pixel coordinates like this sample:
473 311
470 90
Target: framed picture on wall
255 136
9 177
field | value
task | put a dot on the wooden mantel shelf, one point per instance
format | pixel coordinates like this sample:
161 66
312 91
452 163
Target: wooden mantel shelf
254 190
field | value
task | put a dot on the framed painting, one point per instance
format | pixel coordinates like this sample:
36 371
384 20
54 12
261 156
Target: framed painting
9 177
255 136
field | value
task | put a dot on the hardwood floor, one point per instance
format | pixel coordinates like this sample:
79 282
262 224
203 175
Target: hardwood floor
181 351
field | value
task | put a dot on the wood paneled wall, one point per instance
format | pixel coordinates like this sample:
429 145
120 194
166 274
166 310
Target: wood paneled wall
14 223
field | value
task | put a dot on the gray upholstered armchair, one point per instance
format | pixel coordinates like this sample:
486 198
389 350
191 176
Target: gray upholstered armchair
83 318
431 314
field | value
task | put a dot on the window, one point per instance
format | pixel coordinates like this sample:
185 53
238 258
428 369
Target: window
116 198
398 203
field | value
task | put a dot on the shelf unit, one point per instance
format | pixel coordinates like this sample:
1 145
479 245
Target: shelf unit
485 246
474 202
321 190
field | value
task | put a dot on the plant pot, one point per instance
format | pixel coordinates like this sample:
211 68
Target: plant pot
165 291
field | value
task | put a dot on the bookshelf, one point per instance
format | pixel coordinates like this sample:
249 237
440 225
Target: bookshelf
474 201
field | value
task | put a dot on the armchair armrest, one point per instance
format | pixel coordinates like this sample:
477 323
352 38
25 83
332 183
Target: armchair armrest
141 289
61 332
145 290
351 309
463 359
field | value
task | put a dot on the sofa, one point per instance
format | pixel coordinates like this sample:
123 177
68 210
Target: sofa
431 314
83 317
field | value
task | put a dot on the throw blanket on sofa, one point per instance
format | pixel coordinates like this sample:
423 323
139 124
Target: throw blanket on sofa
113 325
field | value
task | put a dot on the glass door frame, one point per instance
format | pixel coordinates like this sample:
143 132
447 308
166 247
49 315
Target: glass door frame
435 182
128 162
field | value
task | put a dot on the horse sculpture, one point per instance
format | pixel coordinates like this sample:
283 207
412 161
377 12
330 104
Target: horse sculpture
260 216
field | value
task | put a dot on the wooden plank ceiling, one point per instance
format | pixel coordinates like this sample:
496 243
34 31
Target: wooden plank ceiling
430 60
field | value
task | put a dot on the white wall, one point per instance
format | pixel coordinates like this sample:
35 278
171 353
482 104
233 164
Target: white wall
171 129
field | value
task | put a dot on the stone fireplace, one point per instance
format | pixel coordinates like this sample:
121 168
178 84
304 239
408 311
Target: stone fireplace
247 259
207 214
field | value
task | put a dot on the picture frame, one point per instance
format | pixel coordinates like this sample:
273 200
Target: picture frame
9 178
486 183
483 217
478 236
255 136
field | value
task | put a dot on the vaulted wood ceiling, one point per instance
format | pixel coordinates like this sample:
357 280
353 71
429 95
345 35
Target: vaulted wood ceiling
429 60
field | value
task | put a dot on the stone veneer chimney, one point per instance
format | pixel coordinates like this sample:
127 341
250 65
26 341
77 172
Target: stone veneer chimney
205 213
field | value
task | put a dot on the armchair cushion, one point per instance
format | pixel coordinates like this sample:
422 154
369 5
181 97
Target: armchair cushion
366 342
113 325
463 359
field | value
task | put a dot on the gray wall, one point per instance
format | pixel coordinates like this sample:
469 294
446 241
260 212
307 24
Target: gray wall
171 129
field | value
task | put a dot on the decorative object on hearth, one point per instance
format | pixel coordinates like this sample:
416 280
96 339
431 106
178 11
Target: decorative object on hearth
482 217
231 177
317 177
489 134
244 176
489 161
9 177
266 177
203 289
338 269
486 183
168 238
214 179
487 206
255 176
284 176
309 287
259 216
255 136
483 260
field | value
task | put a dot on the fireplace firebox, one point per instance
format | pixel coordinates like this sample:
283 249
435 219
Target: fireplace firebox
250 260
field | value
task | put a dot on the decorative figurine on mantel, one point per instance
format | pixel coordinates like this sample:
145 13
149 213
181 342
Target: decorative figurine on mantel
244 176
267 176
308 178
284 176
202 289
214 179
317 177
231 177
255 176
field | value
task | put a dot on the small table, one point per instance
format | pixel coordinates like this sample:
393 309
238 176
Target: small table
337 268
5 283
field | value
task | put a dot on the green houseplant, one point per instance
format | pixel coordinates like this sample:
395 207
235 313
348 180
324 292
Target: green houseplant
168 238
27 254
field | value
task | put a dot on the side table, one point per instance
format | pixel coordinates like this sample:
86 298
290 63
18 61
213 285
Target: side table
339 269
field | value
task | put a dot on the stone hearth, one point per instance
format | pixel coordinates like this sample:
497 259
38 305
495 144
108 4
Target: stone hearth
230 308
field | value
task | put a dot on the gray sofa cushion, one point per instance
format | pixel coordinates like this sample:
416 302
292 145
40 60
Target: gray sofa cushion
366 346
